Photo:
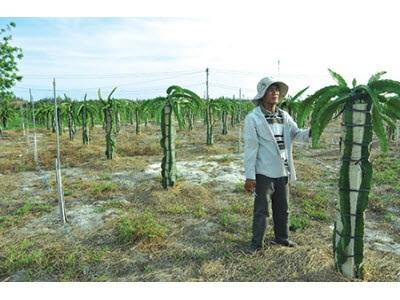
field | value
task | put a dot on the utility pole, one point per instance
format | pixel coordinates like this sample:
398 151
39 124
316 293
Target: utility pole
279 67
240 94
207 84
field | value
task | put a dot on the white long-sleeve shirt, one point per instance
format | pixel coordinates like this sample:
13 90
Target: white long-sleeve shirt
261 151
275 121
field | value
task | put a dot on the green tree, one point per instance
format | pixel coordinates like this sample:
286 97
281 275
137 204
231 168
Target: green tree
292 103
212 106
365 109
6 111
118 106
138 107
225 106
67 109
108 123
45 114
85 109
9 56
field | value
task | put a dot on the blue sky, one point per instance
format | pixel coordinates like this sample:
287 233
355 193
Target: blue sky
144 54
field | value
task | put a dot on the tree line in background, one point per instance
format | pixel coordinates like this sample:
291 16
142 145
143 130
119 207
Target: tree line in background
113 113
9 57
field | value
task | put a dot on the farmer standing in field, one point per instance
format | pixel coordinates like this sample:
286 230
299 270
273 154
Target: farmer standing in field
268 137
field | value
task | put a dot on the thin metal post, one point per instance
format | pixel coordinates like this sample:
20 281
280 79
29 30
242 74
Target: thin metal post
58 161
35 153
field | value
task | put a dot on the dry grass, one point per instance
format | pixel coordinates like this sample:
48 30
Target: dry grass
9 183
383 267
207 230
49 259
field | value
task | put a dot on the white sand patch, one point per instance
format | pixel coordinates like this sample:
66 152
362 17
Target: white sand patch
380 240
126 179
31 181
202 171
84 219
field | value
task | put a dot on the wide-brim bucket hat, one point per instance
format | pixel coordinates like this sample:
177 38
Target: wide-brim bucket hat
265 83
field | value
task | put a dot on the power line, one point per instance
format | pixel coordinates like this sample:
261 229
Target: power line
154 88
143 88
229 87
188 72
157 89
106 76
248 73
33 89
237 72
110 86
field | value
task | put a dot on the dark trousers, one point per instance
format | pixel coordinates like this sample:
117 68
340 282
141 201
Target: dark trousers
276 190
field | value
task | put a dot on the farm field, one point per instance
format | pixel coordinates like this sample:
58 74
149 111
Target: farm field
123 226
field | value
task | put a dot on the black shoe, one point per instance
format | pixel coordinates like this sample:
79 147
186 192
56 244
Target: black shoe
253 249
286 243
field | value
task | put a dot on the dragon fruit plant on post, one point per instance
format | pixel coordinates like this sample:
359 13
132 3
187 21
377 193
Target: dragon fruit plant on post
365 109
176 98
108 123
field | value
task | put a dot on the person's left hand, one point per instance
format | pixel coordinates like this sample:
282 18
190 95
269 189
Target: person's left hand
250 185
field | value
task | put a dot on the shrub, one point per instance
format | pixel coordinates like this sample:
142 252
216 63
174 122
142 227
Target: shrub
298 222
131 229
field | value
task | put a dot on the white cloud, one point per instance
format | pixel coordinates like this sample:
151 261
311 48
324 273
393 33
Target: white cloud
306 36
